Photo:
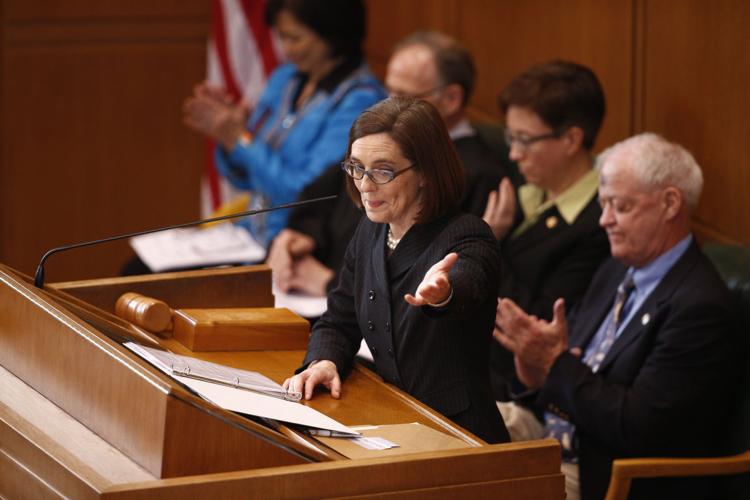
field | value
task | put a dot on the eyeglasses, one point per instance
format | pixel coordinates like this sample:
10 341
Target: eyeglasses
377 175
525 141
420 95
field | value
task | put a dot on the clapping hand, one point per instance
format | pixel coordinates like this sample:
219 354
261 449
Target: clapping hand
535 343
501 208
215 113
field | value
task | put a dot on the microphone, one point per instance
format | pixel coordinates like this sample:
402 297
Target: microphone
39 276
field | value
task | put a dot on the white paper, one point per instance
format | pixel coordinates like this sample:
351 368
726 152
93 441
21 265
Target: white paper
305 305
374 443
364 352
192 247
259 405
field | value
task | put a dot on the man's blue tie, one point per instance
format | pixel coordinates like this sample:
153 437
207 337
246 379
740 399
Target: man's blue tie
559 428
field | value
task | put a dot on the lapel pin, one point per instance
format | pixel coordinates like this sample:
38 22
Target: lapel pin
551 222
645 319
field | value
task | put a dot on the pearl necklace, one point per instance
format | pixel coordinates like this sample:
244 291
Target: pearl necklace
390 241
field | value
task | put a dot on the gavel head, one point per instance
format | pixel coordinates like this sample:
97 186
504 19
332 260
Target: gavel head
148 313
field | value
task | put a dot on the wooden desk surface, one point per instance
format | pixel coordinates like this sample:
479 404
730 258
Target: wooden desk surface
365 399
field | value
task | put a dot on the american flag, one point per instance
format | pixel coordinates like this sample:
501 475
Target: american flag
242 52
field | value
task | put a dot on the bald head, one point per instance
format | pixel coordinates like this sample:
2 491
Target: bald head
412 72
434 67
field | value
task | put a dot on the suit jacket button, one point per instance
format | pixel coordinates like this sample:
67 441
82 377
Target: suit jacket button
371 295
370 325
387 326
390 352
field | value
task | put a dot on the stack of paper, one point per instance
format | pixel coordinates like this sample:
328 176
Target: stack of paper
186 248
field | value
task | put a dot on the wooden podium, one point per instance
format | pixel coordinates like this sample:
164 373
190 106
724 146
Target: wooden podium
82 417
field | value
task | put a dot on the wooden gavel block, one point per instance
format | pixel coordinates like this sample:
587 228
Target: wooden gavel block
150 314
235 329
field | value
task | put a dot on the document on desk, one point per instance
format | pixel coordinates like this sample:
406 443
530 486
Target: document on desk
241 391
392 440
259 405
186 366
305 305
190 247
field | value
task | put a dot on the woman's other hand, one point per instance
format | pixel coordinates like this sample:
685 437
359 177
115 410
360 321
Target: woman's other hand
318 372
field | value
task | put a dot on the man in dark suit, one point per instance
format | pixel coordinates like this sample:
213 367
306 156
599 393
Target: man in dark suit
646 365
433 66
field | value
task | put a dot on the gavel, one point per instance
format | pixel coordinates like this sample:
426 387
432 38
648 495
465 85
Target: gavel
148 313
217 329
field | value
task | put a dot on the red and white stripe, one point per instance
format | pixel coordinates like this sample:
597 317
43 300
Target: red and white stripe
242 52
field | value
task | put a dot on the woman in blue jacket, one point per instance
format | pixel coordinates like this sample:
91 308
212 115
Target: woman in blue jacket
301 122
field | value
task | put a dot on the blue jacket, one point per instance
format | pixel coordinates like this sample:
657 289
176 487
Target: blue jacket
291 149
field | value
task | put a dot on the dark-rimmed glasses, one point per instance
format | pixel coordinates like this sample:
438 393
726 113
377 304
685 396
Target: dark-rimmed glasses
525 141
377 175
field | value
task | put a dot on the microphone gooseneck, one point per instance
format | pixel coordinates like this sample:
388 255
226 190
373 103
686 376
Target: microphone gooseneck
39 275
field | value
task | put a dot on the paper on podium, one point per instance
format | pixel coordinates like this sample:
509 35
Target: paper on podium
191 247
307 306
259 405
409 438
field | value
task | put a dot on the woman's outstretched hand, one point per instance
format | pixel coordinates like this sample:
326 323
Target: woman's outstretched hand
435 287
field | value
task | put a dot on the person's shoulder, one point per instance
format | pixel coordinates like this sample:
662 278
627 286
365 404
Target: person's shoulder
281 74
477 157
363 84
699 278
463 224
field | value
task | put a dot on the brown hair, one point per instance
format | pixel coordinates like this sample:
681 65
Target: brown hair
563 94
419 131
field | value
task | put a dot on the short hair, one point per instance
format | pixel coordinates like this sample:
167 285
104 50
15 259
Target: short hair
453 61
658 163
341 23
563 94
417 128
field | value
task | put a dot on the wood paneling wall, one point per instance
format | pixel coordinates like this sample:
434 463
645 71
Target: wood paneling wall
507 36
696 69
92 144
678 68
91 139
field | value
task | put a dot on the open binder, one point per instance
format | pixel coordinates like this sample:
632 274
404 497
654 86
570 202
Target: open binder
177 365
240 391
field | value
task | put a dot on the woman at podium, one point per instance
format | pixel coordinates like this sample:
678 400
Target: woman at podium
419 278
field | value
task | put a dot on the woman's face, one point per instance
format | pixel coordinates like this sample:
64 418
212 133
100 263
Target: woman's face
398 202
543 159
301 45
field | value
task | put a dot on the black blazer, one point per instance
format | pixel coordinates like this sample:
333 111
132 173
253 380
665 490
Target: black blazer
439 356
665 386
545 263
